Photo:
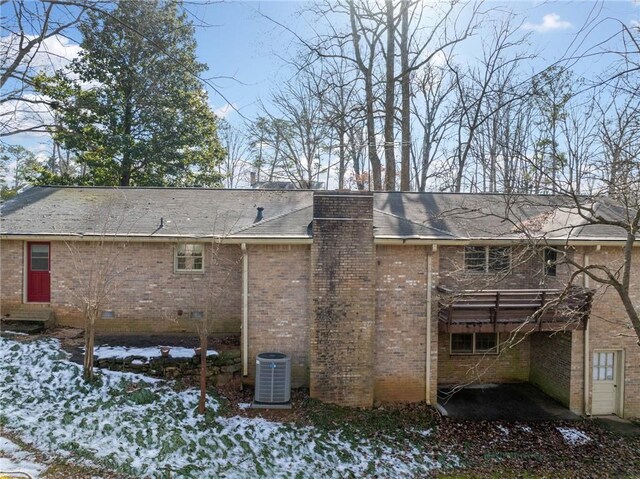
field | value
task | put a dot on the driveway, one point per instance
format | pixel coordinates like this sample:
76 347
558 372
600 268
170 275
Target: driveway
502 402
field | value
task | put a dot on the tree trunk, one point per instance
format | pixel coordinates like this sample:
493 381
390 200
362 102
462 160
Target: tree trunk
405 155
203 373
127 161
389 102
374 160
89 338
367 73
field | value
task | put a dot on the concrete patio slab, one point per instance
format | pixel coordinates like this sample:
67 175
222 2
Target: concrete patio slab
618 426
502 402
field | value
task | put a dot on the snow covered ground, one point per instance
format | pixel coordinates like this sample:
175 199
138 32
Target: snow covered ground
573 436
121 352
15 460
137 425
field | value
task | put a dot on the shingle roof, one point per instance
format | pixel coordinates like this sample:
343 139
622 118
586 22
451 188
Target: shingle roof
191 212
495 216
201 212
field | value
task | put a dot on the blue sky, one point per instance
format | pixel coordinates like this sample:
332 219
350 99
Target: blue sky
247 53
249 47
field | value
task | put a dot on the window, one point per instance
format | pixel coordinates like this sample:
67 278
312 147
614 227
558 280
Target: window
475 258
39 257
487 259
474 343
550 261
189 257
603 364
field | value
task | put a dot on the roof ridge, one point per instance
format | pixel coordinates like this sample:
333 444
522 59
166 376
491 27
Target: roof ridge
413 222
186 188
267 220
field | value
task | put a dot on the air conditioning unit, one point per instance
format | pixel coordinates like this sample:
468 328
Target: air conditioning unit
273 380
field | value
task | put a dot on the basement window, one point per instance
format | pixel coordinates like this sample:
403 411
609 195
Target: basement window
189 258
487 259
474 343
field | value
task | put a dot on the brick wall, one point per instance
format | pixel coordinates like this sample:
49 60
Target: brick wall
576 391
511 365
551 364
279 306
11 274
401 290
526 271
343 299
610 328
146 294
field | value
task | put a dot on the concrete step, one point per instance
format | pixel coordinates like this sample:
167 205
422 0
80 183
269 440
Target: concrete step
45 316
26 327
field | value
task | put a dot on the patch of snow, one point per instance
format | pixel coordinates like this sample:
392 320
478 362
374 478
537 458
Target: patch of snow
244 405
525 428
136 425
121 352
423 432
14 460
573 436
14 333
504 430
138 362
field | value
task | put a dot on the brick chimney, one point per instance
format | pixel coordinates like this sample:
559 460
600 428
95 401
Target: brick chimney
343 296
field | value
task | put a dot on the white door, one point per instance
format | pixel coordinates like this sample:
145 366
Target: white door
606 378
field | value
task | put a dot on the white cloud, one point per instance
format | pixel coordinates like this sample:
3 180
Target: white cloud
439 59
224 110
550 23
22 108
22 115
53 53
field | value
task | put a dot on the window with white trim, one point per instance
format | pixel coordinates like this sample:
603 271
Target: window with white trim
189 258
487 259
474 343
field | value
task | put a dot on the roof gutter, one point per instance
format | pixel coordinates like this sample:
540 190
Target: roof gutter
163 239
413 240
293 239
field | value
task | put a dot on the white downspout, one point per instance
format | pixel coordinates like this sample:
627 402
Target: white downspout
434 248
245 310
587 370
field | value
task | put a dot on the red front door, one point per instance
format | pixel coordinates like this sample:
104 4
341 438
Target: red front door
38 277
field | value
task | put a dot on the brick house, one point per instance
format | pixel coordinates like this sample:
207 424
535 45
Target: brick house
375 296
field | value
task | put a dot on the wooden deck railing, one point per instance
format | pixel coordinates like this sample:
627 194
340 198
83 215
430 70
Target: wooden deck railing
507 310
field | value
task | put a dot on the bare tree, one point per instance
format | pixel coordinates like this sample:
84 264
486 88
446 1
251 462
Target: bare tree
266 137
33 37
475 86
389 97
433 109
98 264
427 32
224 266
342 109
619 135
218 262
297 120
235 165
